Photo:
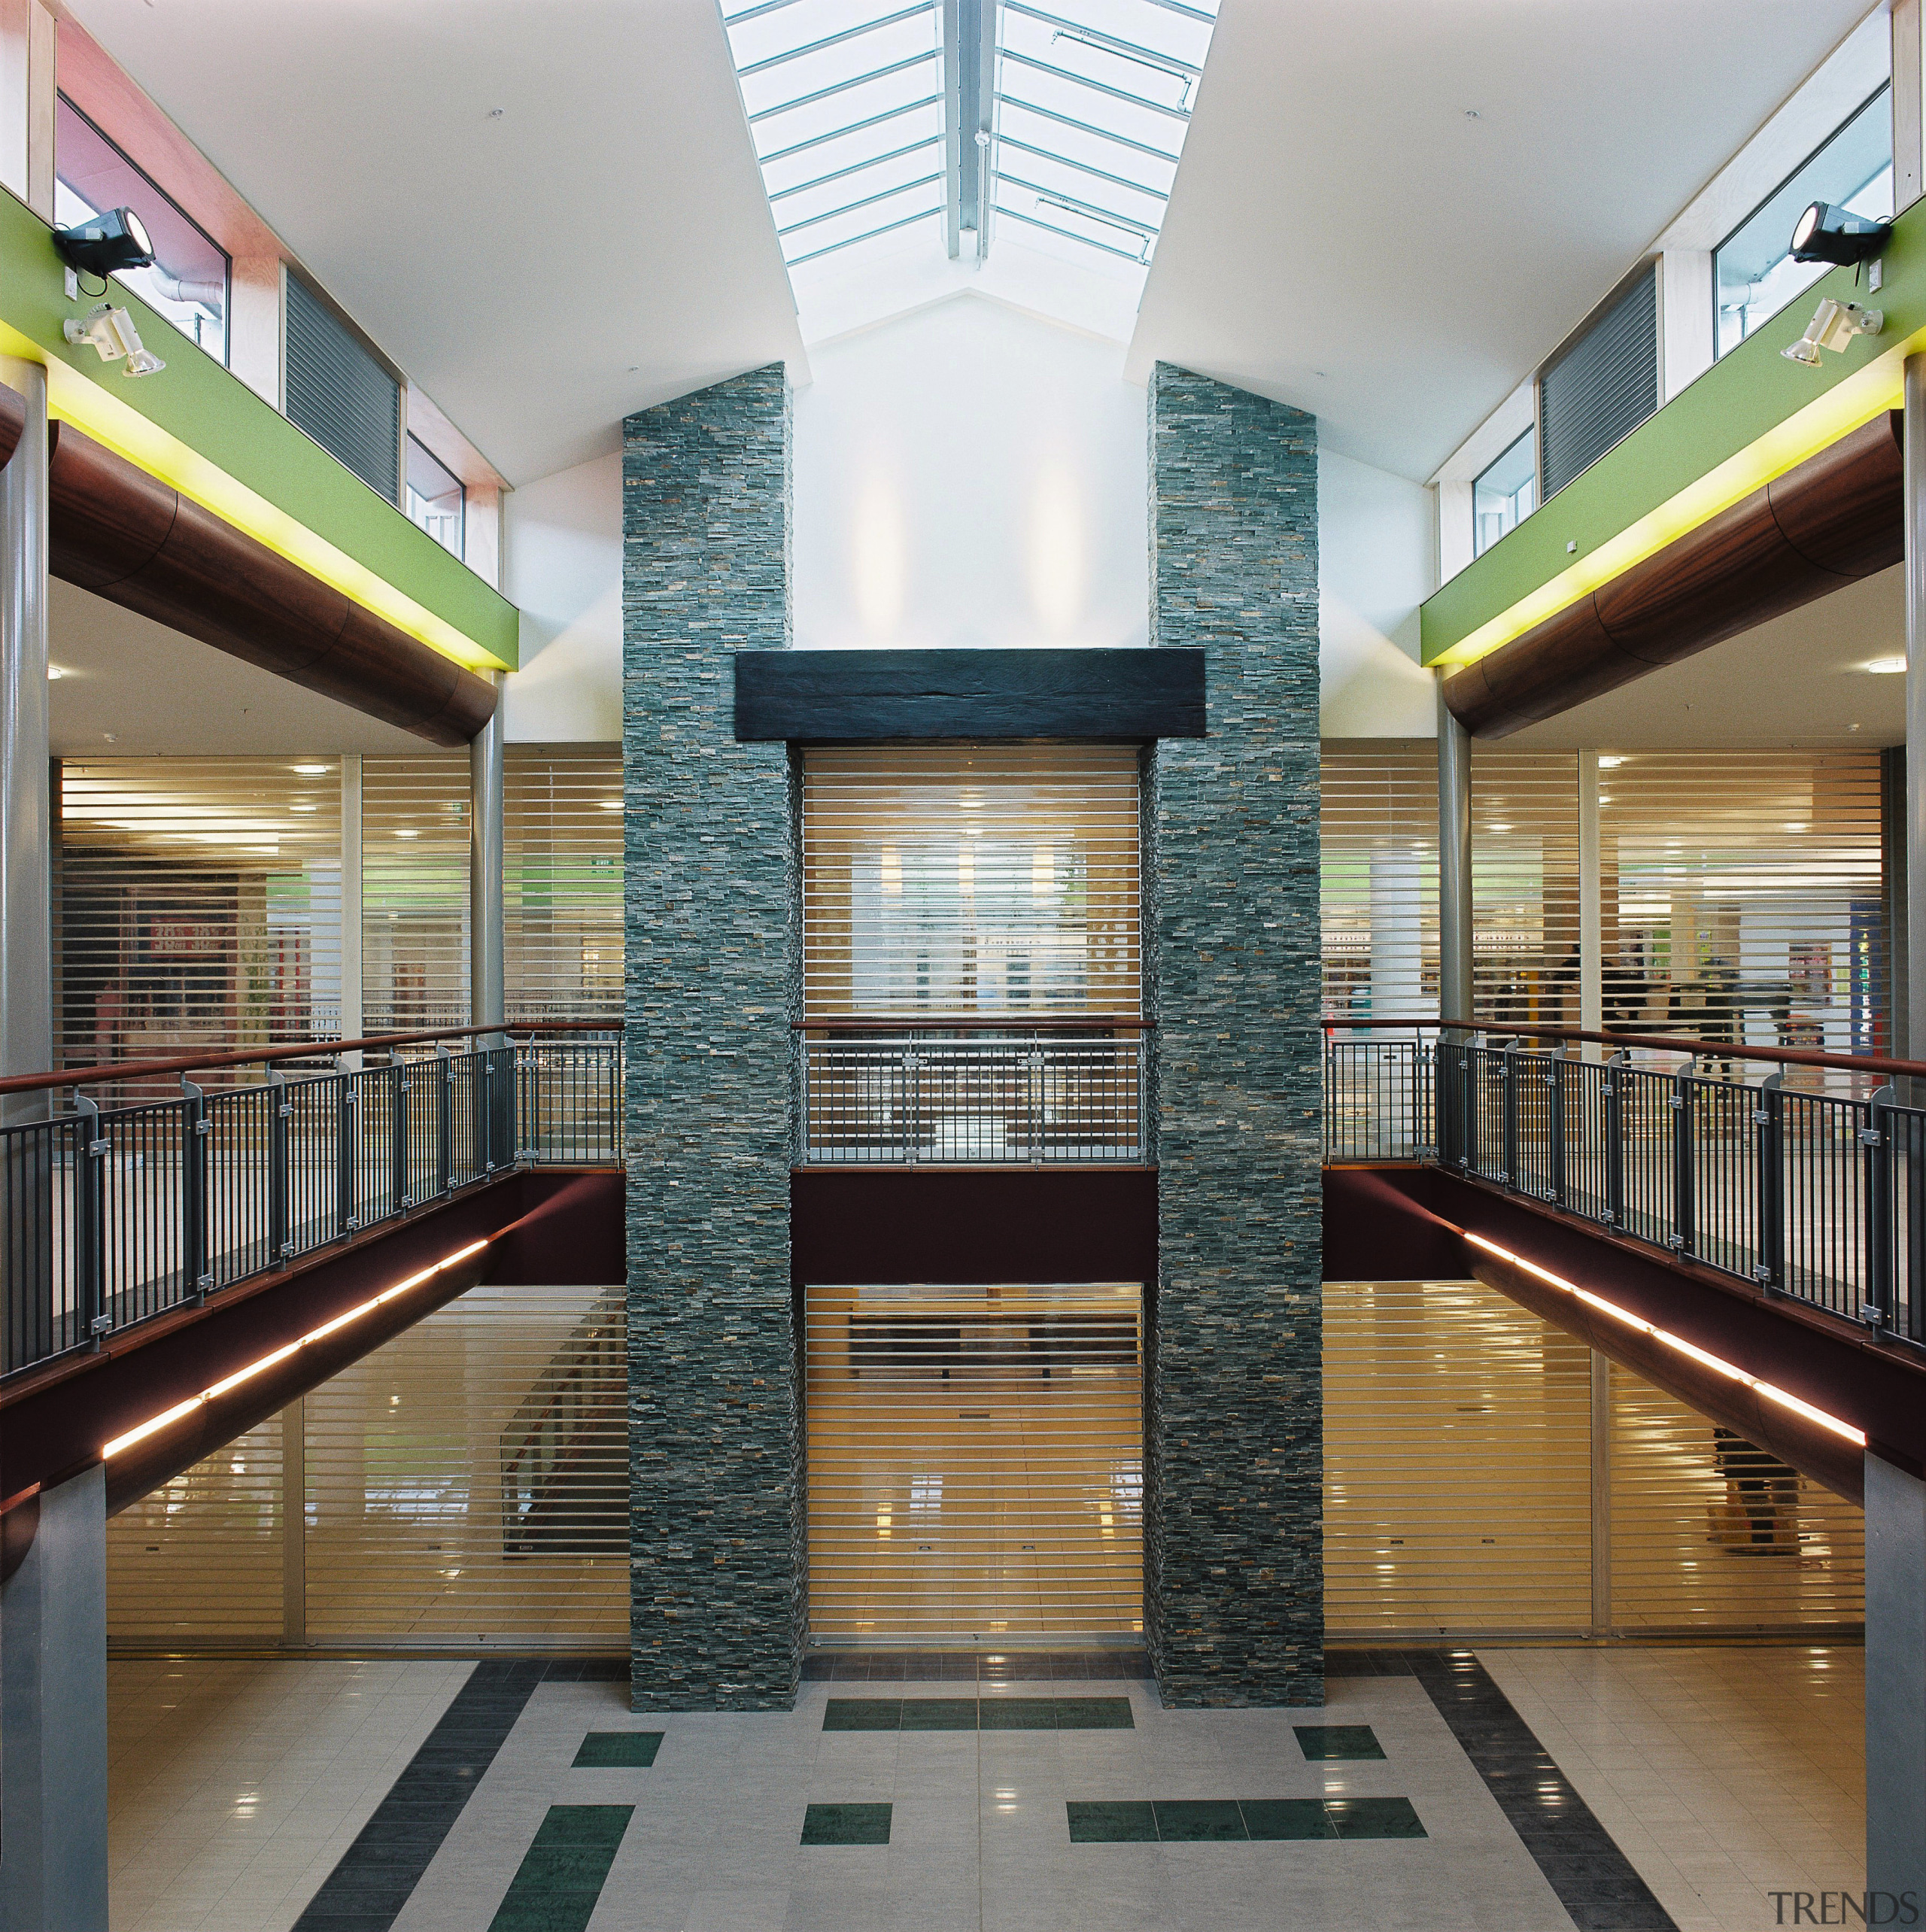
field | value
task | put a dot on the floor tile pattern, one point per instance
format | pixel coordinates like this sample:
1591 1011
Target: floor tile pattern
378 1872
1196 1821
600 1749
1337 1742
846 1825
973 1667
1597 1884
915 1714
559 1881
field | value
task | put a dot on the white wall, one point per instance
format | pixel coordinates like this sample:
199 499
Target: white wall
563 570
969 475
1374 551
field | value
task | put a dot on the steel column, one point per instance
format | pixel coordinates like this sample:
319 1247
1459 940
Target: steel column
1912 1046
1455 988
1895 1679
485 988
1601 1496
1591 905
351 1017
27 948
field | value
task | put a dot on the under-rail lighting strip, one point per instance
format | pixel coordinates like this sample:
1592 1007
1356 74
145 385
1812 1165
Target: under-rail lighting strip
154 1424
1717 1364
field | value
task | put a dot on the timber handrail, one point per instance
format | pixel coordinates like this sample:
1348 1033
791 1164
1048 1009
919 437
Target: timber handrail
891 1022
1659 1043
257 1056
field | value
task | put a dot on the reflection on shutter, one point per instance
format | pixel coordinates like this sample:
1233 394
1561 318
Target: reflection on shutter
986 880
1458 1487
976 1463
197 905
1380 883
1602 387
414 891
1457 1481
469 1480
197 1563
562 885
1708 1532
467 1483
1525 886
1735 881
340 394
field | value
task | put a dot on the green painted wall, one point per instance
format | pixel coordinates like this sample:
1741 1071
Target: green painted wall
216 414
1733 403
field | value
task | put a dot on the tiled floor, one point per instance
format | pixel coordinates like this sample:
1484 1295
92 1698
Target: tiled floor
235 1787
533 1801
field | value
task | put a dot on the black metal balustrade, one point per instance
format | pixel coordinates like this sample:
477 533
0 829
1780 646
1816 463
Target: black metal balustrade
946 1095
111 1214
1809 1182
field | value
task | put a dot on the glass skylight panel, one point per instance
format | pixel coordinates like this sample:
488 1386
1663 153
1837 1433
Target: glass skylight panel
1076 109
845 102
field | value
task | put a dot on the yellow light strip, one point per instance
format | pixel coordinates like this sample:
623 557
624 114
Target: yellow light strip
77 399
1717 1364
154 1424
1841 409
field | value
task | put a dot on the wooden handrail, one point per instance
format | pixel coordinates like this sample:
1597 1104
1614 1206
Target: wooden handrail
258 1056
1717 1049
891 1022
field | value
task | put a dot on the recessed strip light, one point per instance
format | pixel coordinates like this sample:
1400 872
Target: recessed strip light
154 1424
1678 1344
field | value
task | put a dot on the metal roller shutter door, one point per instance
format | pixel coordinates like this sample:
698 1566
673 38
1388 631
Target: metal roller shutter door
976 1463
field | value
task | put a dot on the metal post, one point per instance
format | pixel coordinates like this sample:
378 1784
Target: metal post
1508 1065
1769 1117
1912 1046
1612 1127
1683 1215
444 1121
1601 1459
485 965
348 1134
194 1129
1455 987
1554 1127
280 1244
27 946
398 1195
92 1320
352 993
1876 1299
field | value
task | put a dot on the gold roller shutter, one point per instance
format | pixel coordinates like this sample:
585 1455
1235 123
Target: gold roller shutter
1457 1474
562 884
198 1562
1709 1532
976 1463
997 881
197 904
414 891
1747 881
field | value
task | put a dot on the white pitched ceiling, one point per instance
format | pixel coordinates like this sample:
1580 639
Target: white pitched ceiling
549 215
1345 236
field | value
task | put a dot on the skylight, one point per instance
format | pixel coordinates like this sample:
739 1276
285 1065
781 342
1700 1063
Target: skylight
953 124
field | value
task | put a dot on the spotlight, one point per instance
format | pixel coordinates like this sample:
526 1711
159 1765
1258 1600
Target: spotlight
112 332
1833 326
117 239
1828 234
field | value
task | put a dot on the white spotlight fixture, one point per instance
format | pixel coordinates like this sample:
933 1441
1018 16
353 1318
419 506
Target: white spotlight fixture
1833 327
112 332
1885 667
1609 761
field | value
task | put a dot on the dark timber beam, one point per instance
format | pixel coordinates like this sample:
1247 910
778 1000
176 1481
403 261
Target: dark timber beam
867 696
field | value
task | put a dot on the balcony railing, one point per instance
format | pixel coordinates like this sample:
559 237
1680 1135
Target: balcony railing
950 1095
111 1215
1809 1181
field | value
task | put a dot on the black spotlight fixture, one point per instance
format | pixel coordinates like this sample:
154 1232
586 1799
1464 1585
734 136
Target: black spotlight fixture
1828 234
117 239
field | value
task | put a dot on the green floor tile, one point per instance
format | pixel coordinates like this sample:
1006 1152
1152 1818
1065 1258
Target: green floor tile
1374 1818
1018 1714
1329 1741
1190 1821
1094 1713
942 1714
601 1748
1271 1818
846 1825
863 1714
1126 1821
560 1877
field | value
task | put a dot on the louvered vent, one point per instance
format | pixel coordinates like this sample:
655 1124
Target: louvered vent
340 394
1602 387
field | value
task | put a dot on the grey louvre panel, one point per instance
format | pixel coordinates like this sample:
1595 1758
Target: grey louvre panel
340 394
1603 387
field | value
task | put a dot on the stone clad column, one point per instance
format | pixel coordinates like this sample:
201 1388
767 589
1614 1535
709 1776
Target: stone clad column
1234 1555
717 1539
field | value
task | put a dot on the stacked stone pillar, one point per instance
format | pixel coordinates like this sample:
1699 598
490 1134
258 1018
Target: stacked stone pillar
717 1537
1233 1582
